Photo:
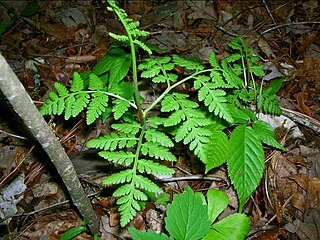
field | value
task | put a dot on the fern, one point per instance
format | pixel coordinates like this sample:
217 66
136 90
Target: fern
140 144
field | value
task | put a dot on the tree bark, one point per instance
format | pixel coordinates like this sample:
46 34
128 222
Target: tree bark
23 105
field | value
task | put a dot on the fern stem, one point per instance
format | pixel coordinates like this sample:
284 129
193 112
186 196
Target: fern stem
169 88
113 95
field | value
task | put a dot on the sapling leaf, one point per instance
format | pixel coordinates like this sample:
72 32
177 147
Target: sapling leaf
184 216
235 226
217 202
139 235
266 134
245 163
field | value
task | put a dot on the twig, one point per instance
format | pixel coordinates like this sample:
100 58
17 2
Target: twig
190 178
286 25
302 119
13 135
266 5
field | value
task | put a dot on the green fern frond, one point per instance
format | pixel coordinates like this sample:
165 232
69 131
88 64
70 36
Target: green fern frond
154 168
69 103
95 82
152 135
146 184
61 89
120 177
96 107
120 38
77 84
112 141
81 101
187 63
128 209
119 108
120 157
157 151
132 128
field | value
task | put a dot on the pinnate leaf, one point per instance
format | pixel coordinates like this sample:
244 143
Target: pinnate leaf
154 168
132 128
96 106
77 84
146 184
120 177
187 217
61 89
112 141
120 108
120 157
157 151
155 136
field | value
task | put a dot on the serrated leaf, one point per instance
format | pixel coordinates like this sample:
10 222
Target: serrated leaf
159 79
120 68
184 215
68 109
61 106
132 128
81 101
96 107
258 70
216 151
123 190
112 141
138 195
159 152
53 96
235 226
95 82
187 63
146 184
246 162
169 104
120 108
154 168
120 177
61 89
123 89
139 235
213 60
120 157
266 134
152 135
77 84
128 209
217 202
151 72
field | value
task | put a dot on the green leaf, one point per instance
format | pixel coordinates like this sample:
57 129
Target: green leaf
187 63
77 84
96 107
159 152
68 109
217 202
216 151
213 60
123 89
155 136
266 134
154 168
246 162
95 82
72 232
128 209
61 89
235 226
120 68
120 177
152 72
187 216
112 141
80 102
132 128
120 108
149 235
145 183
121 157
29 11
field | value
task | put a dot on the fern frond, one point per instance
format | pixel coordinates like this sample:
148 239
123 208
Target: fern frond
187 63
120 38
157 151
128 209
112 141
97 106
61 89
146 184
120 157
119 108
95 82
132 128
120 177
77 84
80 102
152 135
154 168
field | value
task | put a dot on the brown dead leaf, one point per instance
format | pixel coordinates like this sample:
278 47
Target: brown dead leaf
301 97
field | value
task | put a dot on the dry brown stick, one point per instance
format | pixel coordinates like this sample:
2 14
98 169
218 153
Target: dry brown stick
302 119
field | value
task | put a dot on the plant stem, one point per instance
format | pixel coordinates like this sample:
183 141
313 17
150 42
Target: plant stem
169 88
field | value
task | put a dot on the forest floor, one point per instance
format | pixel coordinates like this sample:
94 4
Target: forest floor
66 36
